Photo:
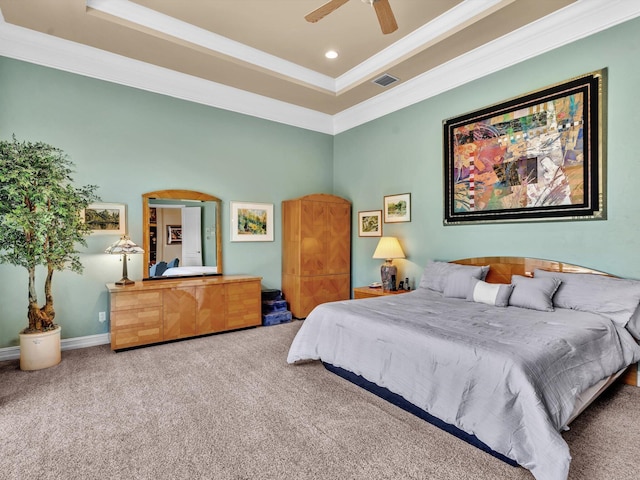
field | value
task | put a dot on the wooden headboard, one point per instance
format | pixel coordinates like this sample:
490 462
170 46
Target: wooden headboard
503 267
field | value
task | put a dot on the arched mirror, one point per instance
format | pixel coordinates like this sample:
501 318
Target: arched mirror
181 234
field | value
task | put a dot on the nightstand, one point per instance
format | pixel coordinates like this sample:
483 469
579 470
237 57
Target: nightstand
368 292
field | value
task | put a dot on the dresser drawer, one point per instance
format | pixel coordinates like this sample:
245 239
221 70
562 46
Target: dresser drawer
127 300
148 316
131 337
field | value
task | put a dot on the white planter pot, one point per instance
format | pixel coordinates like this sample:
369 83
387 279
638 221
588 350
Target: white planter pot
40 350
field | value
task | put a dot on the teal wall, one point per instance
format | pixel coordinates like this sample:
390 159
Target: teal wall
402 152
129 142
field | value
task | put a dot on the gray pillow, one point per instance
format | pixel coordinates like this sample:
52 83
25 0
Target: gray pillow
634 324
533 293
434 276
457 284
614 298
496 294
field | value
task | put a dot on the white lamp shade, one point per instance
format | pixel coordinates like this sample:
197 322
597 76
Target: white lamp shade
388 248
124 245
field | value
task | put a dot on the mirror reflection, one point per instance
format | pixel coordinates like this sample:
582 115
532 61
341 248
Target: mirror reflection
181 234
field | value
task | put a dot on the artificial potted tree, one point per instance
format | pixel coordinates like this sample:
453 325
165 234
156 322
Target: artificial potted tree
41 224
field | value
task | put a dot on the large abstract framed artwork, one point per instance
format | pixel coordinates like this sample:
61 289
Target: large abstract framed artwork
537 157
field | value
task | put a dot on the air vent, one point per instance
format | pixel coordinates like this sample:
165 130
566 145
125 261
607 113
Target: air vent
385 80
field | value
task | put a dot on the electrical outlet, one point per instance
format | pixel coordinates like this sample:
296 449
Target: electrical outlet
102 317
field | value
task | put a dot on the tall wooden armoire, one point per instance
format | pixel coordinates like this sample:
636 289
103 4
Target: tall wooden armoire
316 251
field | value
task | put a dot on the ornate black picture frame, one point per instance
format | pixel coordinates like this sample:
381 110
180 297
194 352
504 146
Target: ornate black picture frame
538 157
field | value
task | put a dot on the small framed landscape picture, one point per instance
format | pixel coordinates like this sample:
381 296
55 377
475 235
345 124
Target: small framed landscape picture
397 208
251 222
106 218
370 223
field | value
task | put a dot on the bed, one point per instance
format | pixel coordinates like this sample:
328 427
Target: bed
190 271
506 351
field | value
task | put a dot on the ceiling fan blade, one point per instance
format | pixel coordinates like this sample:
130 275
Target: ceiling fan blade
385 16
324 10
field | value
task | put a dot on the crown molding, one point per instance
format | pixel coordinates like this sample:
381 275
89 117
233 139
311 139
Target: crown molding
579 20
49 51
149 18
441 27
576 21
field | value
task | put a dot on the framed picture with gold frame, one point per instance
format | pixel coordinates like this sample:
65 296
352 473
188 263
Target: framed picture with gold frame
106 218
397 208
370 223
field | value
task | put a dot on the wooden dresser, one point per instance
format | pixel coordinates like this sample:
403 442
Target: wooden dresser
316 251
160 310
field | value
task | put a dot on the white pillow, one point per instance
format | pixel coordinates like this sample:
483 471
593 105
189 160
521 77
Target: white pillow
496 294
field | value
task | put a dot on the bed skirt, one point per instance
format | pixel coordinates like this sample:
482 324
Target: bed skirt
401 402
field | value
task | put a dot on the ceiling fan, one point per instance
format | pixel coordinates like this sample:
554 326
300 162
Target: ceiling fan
383 11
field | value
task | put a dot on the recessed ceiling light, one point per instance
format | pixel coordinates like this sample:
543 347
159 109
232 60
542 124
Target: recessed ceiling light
331 54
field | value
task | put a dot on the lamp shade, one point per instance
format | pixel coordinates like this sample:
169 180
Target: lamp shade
124 245
388 248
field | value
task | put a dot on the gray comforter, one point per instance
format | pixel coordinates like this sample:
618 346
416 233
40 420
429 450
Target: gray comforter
509 376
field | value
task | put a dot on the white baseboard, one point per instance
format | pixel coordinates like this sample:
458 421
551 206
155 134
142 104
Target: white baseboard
13 353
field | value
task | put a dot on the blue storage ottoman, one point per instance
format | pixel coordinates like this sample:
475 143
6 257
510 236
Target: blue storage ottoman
270 294
275 318
269 306
274 308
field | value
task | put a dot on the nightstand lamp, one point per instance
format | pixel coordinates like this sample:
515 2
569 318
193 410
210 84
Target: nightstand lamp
124 247
388 248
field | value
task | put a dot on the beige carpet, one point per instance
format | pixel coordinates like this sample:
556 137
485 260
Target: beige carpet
229 407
